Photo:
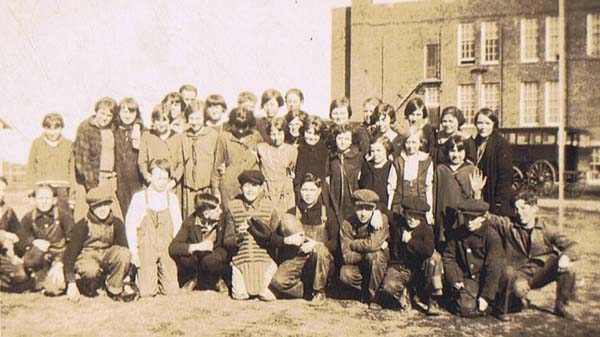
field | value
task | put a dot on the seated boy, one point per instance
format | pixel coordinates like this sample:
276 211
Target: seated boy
411 248
43 240
97 246
197 248
473 261
364 249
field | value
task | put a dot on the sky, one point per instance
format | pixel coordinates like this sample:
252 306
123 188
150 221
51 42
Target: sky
62 56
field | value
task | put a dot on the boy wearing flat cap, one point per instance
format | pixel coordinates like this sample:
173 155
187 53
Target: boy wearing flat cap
250 236
473 260
536 256
364 248
98 245
411 247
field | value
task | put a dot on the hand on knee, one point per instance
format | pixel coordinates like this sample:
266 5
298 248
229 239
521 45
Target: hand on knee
520 287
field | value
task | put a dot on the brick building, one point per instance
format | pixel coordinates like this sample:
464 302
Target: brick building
500 54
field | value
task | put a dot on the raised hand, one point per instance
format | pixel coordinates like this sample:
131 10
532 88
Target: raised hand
477 180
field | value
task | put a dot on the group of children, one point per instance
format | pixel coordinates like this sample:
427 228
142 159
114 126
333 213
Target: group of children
279 206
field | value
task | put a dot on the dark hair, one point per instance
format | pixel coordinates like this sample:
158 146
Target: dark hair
161 163
44 187
311 178
489 113
188 87
270 94
246 96
132 105
205 201
278 123
194 107
4 180
215 99
385 141
106 102
313 123
415 103
296 91
158 115
336 130
373 99
338 103
455 112
53 120
170 98
454 140
529 196
242 109
383 109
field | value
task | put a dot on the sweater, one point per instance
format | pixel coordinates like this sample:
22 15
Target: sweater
54 165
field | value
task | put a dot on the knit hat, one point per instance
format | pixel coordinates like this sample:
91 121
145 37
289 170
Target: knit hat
290 225
473 207
253 177
415 205
97 195
365 197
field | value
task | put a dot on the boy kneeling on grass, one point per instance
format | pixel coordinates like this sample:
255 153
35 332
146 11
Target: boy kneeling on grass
98 245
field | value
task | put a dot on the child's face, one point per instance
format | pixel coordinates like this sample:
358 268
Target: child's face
415 117
102 211
249 104
412 144
485 125
52 133
311 137
449 124
364 213
343 141
214 112
188 96
293 102
384 123
309 192
378 153
294 127
44 199
368 110
271 108
161 125
159 179
456 156
340 115
213 214
2 191
103 117
175 108
251 191
127 115
277 136
412 221
196 120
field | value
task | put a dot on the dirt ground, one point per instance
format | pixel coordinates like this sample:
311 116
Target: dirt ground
212 314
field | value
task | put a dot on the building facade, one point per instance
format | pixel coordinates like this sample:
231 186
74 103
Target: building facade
485 53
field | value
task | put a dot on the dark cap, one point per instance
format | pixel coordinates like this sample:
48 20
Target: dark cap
97 196
473 207
365 197
253 177
415 205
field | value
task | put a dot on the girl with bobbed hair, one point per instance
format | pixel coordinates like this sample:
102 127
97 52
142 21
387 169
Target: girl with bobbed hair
416 114
271 102
451 120
340 113
312 150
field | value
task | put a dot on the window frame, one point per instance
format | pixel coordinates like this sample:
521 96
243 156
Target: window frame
523 107
551 23
549 97
524 46
459 52
484 34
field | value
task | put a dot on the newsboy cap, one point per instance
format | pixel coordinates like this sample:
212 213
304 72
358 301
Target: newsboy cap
98 195
290 225
415 205
365 197
473 207
251 176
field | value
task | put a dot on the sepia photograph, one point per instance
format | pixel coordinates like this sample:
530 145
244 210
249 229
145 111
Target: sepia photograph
265 168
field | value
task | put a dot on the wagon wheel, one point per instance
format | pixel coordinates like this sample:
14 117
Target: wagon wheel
541 176
518 179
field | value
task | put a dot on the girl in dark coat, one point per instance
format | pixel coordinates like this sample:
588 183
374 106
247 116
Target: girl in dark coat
494 159
312 151
452 119
127 130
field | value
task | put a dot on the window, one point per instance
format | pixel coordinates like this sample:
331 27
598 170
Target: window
529 37
466 43
490 96
529 103
593 34
490 43
466 101
432 96
432 61
595 165
551 38
551 103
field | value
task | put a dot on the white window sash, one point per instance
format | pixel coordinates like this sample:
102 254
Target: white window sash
551 48
484 34
527 26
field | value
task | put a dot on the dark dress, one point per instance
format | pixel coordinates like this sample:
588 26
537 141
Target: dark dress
495 161
343 170
376 179
129 178
311 159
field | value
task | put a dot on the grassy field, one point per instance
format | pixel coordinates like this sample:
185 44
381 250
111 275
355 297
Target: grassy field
211 314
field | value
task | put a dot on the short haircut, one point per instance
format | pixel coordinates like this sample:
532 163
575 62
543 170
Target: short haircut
4 180
296 91
278 123
385 141
454 141
246 96
173 97
193 107
314 124
132 105
415 103
311 178
188 87
414 131
529 196
53 121
215 99
159 115
374 100
204 202
339 129
40 187
106 102
383 109
489 113
243 109
270 94
455 112
339 103
160 163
